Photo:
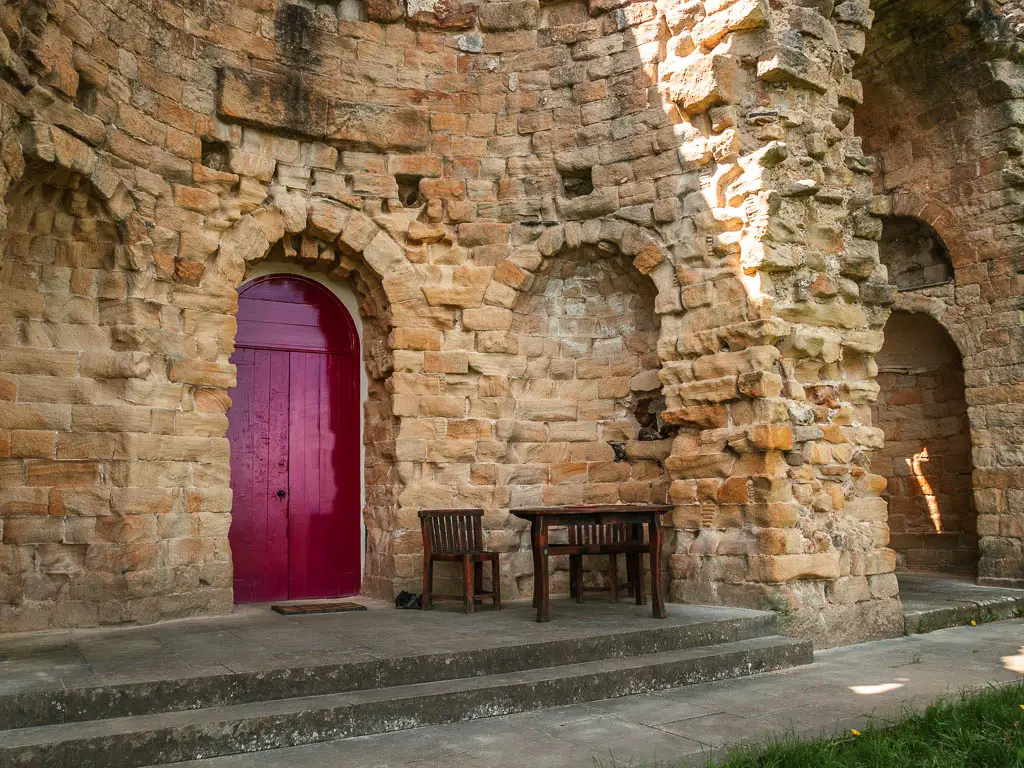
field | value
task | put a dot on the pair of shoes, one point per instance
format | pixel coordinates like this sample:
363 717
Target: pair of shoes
408 600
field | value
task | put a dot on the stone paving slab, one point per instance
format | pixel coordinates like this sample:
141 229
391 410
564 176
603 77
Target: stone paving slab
845 688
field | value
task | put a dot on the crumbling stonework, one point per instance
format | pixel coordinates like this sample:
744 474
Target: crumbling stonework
606 251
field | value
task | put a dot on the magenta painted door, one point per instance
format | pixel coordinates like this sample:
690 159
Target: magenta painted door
294 432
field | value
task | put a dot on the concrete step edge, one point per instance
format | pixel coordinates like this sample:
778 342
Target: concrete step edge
177 736
921 621
77 704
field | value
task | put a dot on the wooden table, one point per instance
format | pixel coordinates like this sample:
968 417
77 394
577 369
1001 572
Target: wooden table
542 518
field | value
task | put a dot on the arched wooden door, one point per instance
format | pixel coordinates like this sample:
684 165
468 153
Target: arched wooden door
294 433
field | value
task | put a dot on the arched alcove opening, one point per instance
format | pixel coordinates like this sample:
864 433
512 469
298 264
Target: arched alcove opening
103 519
588 409
927 454
914 254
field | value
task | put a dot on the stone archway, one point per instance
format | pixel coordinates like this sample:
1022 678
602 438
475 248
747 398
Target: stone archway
343 244
97 491
927 455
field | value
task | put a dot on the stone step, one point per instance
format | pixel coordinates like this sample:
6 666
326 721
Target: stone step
922 619
169 737
933 601
76 704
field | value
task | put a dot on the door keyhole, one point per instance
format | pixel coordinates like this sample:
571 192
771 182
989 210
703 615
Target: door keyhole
281 494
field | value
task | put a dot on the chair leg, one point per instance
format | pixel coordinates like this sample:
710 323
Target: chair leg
613 576
572 576
467 583
496 582
478 577
428 583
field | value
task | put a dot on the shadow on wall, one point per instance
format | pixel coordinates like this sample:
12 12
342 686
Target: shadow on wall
927 453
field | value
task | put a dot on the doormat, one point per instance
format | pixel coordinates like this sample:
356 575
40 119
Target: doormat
302 610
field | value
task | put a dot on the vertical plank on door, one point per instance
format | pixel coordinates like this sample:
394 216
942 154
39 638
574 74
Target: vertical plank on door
259 466
342 462
304 478
275 563
242 535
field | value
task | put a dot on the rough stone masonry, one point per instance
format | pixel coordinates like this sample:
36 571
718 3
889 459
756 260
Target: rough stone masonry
606 251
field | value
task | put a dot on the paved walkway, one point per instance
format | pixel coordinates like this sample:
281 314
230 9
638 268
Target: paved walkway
845 688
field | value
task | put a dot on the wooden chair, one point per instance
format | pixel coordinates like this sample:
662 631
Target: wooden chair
456 535
611 540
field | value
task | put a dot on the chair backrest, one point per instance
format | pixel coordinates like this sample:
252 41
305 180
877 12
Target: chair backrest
452 531
594 534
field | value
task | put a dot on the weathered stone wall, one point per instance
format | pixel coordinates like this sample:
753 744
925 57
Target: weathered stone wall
942 113
927 454
541 207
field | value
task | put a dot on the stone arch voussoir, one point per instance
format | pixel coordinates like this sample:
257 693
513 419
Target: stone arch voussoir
939 217
649 256
49 144
49 155
347 233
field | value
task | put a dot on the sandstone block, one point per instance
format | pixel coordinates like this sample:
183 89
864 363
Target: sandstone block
34 444
50 362
708 390
288 102
467 289
867 509
703 81
34 416
385 11
883 585
378 126
741 15
782 568
327 219
487 319
202 373
39 472
849 589
33 530
546 410
80 502
17 501
416 339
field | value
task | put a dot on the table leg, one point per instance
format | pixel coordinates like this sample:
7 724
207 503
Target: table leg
544 608
639 591
657 598
576 577
535 546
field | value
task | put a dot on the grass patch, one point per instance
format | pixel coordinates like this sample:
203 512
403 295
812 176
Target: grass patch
978 730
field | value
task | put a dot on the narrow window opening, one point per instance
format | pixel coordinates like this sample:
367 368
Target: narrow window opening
577 183
85 98
215 155
409 189
647 411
